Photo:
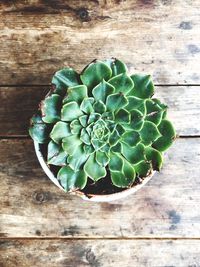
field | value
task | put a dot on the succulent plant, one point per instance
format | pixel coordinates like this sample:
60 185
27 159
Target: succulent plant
102 123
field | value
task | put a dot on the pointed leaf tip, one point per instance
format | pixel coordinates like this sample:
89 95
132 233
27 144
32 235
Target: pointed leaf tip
168 135
63 79
143 86
149 133
116 65
70 111
50 108
94 73
93 169
122 83
71 180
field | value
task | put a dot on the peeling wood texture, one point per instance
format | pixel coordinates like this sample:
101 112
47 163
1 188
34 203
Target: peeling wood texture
100 253
158 37
22 102
32 206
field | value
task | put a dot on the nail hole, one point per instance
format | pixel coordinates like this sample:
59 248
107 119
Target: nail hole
37 232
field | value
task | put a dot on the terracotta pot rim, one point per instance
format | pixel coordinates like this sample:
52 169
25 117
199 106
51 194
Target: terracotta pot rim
90 197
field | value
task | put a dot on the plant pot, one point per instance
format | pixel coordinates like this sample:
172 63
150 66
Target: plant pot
100 131
90 197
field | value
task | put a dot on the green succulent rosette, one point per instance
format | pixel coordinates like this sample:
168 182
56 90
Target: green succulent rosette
102 123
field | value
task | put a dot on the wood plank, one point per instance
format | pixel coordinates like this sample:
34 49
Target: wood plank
100 253
158 37
18 104
32 206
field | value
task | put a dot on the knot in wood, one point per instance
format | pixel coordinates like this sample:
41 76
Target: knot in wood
39 197
90 257
83 14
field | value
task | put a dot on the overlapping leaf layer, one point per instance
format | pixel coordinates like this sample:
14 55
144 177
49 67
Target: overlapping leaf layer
102 123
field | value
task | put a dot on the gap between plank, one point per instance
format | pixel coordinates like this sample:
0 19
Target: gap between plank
188 136
49 85
27 137
156 238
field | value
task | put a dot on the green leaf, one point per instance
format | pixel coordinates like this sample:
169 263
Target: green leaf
166 129
154 112
60 130
78 158
89 128
116 101
122 116
168 135
110 125
75 126
70 143
93 169
38 130
162 106
99 107
136 121
102 158
135 103
84 137
114 138
133 154
149 133
120 180
56 155
63 79
122 83
117 148
116 162
88 149
154 157
97 144
70 111
71 180
94 73
102 91
129 171
131 138
143 169
83 120
105 149
143 86
76 93
99 129
108 116
116 66
50 108
87 105
93 117
119 129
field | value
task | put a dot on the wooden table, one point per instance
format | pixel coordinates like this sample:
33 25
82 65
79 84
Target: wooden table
39 224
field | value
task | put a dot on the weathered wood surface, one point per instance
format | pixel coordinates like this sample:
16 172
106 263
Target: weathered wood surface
32 206
18 104
161 37
100 253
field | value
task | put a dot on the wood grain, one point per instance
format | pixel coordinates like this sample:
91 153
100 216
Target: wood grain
159 37
18 104
32 206
99 253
